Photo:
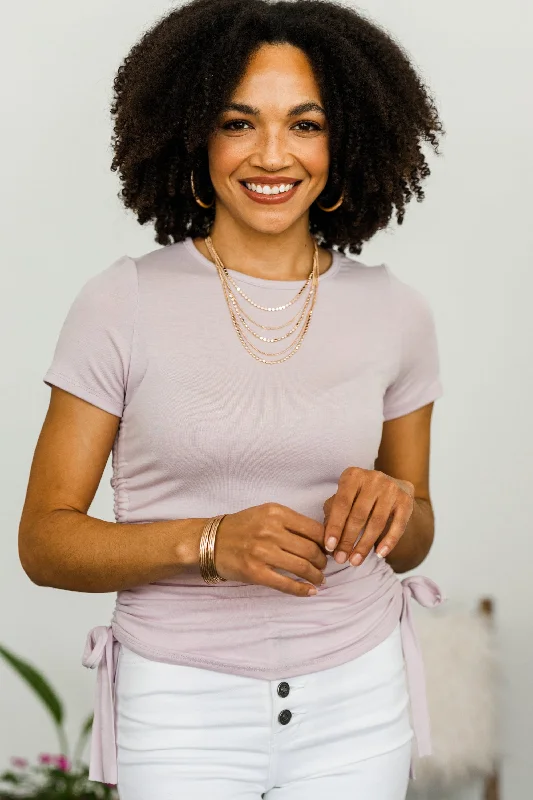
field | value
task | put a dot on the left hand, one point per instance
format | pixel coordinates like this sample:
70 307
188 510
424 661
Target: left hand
366 498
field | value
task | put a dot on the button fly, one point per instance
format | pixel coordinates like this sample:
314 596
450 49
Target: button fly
284 716
283 689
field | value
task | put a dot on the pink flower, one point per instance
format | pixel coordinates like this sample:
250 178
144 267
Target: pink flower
20 763
62 763
45 758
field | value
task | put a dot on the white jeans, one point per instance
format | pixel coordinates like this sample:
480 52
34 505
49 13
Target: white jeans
203 735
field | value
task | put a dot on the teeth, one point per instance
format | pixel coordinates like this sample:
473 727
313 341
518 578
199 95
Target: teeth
279 189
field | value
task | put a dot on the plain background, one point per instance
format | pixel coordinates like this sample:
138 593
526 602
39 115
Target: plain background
467 247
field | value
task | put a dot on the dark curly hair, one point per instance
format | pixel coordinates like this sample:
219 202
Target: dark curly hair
173 84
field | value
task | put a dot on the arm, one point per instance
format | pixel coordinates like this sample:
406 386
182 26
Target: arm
404 453
59 544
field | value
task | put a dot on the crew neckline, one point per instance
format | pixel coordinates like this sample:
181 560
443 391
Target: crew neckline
266 282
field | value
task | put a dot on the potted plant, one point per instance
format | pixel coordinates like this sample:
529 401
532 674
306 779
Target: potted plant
53 777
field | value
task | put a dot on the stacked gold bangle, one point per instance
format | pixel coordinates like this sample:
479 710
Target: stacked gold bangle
207 550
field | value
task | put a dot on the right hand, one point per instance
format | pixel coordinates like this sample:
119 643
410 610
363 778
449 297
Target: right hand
252 543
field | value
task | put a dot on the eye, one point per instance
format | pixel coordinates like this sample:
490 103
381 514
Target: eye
228 125
308 122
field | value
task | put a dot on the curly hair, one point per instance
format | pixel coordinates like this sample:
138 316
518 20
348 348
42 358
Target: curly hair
175 81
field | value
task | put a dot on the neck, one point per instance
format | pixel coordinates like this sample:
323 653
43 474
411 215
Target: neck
285 256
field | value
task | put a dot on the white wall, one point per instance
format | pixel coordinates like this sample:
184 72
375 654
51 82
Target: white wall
468 247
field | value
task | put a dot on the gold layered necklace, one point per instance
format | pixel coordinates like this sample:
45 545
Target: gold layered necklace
239 316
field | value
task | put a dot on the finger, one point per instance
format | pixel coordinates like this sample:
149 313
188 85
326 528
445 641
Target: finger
402 514
303 525
282 583
305 548
350 484
377 522
357 520
299 566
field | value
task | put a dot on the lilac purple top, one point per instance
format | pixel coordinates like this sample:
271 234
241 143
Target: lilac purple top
205 429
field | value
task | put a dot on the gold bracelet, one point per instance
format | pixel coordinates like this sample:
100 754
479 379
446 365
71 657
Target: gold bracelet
207 551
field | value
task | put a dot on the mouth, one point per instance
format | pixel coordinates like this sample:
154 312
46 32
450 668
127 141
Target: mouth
268 195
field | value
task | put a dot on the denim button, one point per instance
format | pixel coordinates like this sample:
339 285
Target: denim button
284 716
283 689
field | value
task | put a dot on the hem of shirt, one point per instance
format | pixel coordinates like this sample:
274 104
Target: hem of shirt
289 670
52 378
434 392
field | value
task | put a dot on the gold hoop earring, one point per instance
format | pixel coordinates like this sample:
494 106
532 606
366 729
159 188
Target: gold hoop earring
200 202
333 208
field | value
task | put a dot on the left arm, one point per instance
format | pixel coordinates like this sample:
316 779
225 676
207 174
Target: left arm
404 454
391 502
416 541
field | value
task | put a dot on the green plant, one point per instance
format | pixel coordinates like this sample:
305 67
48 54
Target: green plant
54 777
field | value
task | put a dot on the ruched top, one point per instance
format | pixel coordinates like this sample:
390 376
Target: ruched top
205 429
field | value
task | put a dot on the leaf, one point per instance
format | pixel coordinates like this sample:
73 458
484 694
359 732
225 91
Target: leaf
87 726
38 683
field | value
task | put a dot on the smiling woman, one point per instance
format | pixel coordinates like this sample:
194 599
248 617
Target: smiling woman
251 652
361 105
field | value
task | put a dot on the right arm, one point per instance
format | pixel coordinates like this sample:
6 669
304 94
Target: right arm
60 545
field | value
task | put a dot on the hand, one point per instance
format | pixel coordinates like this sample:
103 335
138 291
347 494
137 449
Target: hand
370 499
252 543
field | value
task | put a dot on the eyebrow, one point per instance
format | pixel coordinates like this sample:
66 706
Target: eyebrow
295 111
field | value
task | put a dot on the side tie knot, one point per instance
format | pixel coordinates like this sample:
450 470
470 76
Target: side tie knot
101 652
428 594
424 590
95 644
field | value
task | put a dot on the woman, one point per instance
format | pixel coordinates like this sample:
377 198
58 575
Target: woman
263 140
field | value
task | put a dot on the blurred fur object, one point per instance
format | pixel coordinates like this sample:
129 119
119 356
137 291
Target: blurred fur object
463 674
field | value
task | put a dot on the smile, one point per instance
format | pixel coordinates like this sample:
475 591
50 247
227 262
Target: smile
278 193
269 188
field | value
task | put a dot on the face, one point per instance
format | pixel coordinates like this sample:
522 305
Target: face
264 137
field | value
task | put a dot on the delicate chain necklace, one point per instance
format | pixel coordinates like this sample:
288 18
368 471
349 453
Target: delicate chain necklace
236 312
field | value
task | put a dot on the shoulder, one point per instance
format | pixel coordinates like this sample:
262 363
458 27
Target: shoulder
107 300
356 273
161 261
118 289
356 269
118 275
406 299
366 284
382 278
113 286
384 298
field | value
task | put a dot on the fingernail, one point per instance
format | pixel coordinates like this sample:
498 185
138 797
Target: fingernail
312 591
383 552
356 560
340 557
331 542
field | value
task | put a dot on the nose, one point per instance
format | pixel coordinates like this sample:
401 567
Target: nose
272 153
